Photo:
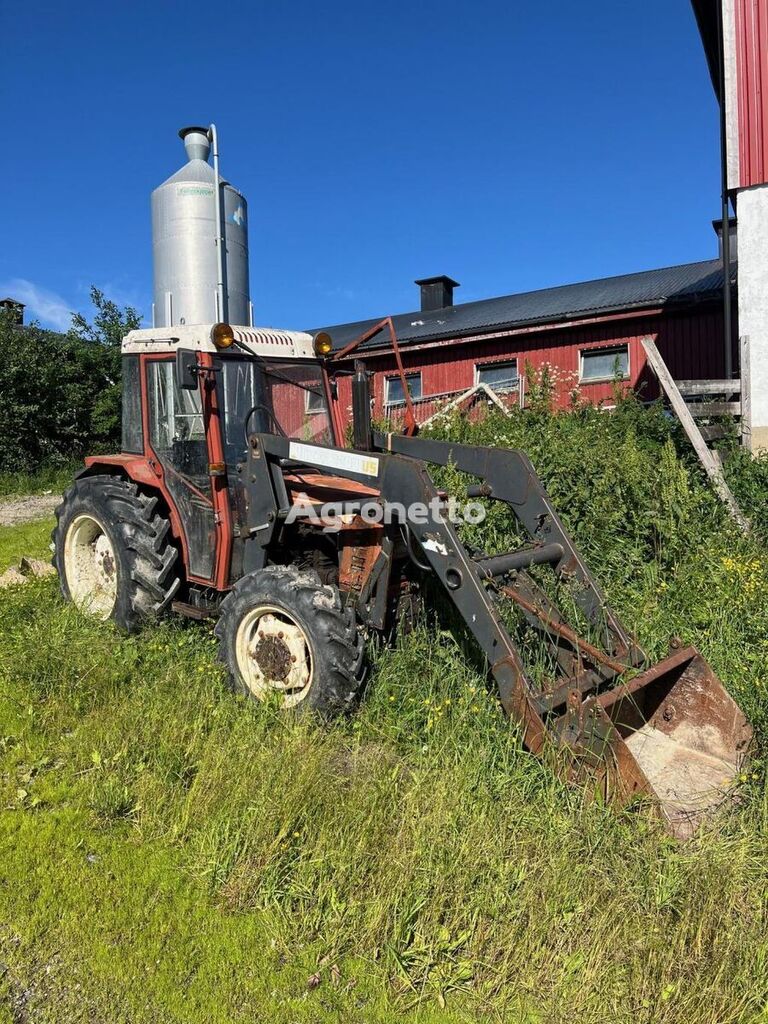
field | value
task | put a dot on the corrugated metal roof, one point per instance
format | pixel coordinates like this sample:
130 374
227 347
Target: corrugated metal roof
690 282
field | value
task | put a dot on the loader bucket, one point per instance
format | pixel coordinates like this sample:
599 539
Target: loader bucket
677 737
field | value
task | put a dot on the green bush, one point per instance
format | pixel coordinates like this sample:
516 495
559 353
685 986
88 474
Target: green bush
748 478
625 482
61 392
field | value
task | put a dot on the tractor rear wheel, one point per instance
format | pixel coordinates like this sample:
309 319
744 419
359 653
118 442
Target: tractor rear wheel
283 633
113 552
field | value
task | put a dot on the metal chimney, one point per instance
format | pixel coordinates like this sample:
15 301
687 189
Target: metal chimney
718 226
436 292
185 237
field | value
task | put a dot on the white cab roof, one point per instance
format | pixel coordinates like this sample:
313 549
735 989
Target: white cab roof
263 341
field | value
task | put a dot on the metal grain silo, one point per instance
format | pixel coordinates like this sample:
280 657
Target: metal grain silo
185 240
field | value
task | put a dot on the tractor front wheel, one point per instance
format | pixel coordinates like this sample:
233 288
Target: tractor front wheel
113 552
284 634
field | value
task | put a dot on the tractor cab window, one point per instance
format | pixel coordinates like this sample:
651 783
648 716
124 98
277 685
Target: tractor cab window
297 400
177 437
176 418
271 396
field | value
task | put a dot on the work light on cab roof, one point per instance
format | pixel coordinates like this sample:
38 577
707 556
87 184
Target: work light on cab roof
323 343
222 336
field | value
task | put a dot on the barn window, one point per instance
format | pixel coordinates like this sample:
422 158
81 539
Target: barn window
499 376
394 394
314 402
604 363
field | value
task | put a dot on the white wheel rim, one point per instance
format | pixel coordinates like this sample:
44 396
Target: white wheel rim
90 566
273 655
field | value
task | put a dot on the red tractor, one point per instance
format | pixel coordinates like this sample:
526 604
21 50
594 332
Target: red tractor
234 496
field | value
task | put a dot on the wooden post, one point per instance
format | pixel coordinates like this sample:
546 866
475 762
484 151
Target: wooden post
746 393
706 457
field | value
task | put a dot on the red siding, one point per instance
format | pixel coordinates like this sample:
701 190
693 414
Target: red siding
752 90
691 343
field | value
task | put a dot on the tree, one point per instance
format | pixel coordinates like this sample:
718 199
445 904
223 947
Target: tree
102 340
61 392
110 324
43 414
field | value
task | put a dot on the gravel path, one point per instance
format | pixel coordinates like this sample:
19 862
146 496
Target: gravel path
25 510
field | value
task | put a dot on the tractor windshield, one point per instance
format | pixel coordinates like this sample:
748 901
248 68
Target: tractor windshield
273 396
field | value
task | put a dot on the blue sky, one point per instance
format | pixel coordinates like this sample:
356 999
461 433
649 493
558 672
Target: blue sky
509 145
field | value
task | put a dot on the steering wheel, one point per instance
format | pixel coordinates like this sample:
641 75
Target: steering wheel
270 415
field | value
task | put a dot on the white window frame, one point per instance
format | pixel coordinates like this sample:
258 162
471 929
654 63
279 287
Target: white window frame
396 377
308 410
491 365
603 350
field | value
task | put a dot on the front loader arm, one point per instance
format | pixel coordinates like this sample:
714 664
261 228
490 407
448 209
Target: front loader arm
400 478
403 482
407 482
508 475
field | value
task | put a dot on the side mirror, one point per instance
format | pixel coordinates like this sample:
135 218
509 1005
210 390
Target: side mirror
186 369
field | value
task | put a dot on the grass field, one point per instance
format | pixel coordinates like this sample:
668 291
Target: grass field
172 853
31 539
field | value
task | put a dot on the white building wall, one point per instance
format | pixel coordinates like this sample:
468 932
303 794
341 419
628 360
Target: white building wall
752 212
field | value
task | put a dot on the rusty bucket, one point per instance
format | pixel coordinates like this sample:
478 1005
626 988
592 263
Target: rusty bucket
672 734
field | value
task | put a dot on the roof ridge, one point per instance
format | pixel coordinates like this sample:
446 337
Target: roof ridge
594 280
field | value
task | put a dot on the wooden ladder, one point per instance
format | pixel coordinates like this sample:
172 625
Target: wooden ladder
688 412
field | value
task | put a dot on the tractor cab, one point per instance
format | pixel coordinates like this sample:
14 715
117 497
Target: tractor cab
268 380
191 396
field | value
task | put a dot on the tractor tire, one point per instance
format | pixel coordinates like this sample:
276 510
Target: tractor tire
282 632
113 552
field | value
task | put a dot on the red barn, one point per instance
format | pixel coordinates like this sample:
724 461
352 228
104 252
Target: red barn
586 333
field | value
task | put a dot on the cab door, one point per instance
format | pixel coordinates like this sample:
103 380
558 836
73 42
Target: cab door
179 440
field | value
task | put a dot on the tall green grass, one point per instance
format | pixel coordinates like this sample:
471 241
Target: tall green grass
54 477
171 852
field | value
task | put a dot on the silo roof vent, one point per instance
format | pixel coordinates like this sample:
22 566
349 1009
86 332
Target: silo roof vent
196 142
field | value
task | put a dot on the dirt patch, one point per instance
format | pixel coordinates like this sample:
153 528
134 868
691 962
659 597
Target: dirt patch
25 510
